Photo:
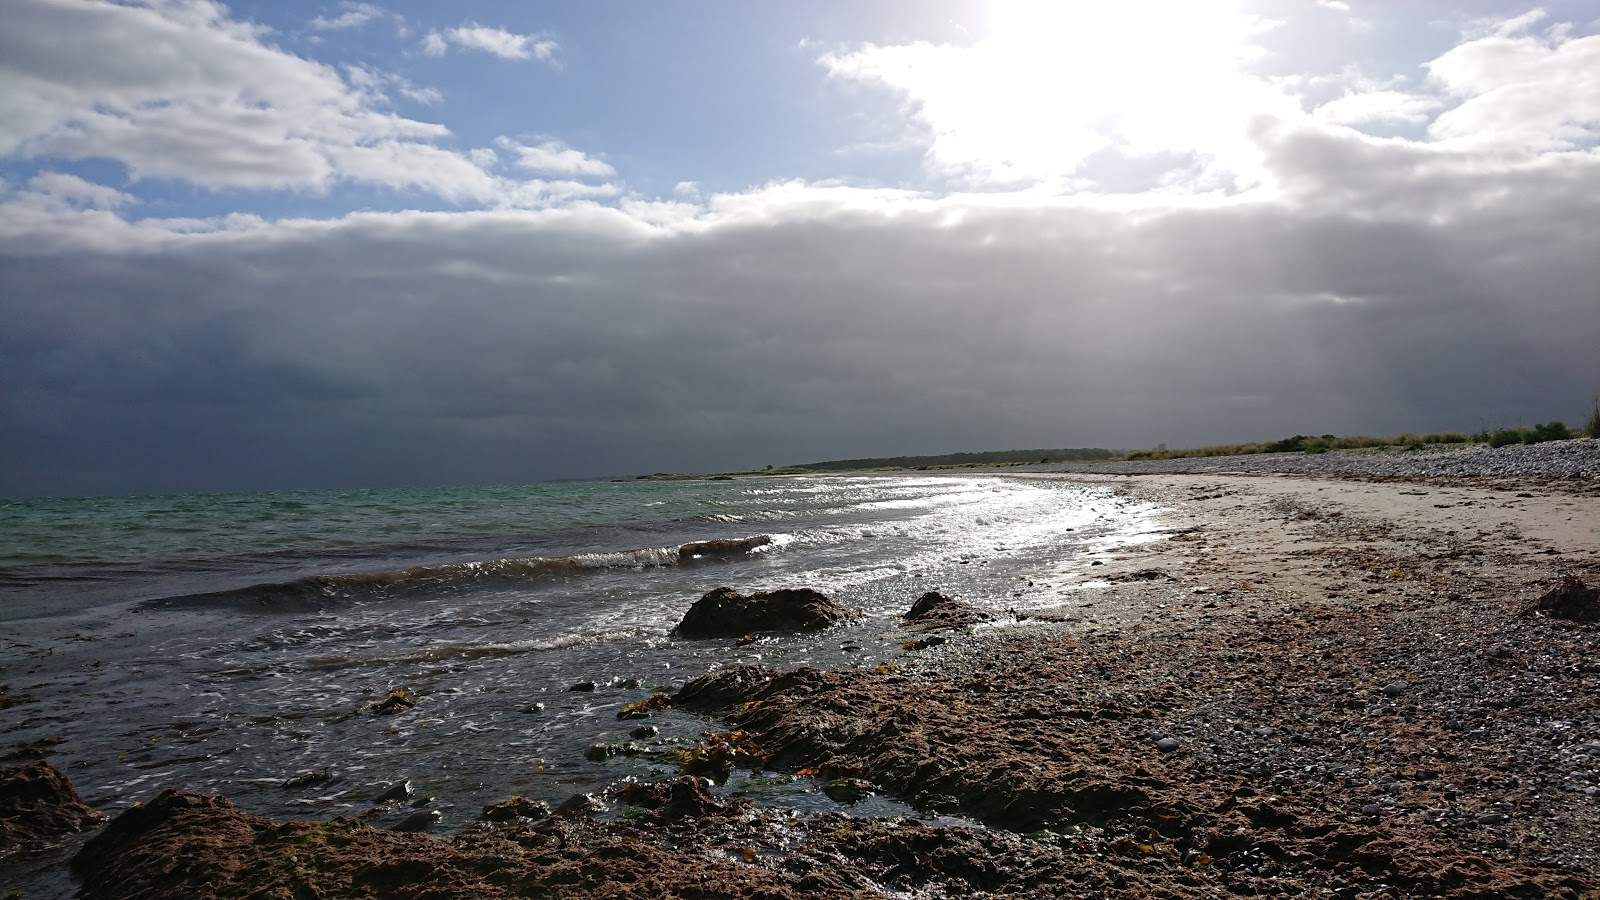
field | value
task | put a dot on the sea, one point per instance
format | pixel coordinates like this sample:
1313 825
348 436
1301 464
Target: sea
238 643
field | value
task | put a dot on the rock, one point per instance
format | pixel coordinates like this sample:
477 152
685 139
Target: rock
38 803
726 613
604 751
934 611
394 793
847 790
644 731
1168 744
583 687
418 821
684 797
578 806
1569 599
1266 731
1396 689
398 700
305 779
725 547
1371 809
533 708
515 808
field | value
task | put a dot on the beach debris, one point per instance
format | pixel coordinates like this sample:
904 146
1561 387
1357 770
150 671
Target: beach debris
578 806
726 613
305 779
398 700
38 803
517 807
643 709
717 755
1570 599
723 547
394 793
418 821
935 611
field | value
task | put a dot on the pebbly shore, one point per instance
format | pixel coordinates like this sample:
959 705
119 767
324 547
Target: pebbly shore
1573 459
1300 686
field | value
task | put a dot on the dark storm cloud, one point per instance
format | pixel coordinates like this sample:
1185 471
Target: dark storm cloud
1387 288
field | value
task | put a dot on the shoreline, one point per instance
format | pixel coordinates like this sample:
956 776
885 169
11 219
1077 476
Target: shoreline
1360 708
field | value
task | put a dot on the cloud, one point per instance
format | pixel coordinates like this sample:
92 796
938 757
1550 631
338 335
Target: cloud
1366 107
554 157
494 41
355 15
1520 91
1385 285
1053 84
206 102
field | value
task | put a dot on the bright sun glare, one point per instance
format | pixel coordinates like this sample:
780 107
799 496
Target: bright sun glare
1050 83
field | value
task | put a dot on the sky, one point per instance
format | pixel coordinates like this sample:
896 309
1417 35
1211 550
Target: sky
283 245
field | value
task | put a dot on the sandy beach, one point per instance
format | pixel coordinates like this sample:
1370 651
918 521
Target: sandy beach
1304 686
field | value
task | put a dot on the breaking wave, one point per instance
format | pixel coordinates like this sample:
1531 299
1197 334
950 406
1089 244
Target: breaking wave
315 590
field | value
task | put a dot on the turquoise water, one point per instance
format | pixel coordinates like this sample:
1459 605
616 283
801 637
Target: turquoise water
229 642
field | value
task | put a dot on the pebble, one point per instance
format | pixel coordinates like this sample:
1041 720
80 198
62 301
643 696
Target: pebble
1167 745
1371 809
1266 732
1396 689
1560 459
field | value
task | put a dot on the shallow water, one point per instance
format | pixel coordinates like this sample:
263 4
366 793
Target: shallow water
230 642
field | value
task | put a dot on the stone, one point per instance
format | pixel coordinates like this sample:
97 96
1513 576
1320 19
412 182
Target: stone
583 687
578 806
418 821
847 790
398 700
644 731
1396 689
724 547
515 808
935 611
726 613
1168 744
38 804
394 793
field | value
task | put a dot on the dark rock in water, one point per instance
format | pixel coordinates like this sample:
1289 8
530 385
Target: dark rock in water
604 751
398 700
1570 599
685 797
724 547
306 779
644 731
847 790
38 803
578 806
394 793
934 611
533 708
583 687
515 808
729 614
418 821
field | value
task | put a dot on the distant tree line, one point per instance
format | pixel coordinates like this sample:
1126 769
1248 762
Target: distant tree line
987 457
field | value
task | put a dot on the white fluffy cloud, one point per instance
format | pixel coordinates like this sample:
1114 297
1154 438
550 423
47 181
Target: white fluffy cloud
556 158
495 41
207 101
354 15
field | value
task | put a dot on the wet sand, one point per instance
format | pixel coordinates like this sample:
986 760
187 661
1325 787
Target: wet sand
1303 686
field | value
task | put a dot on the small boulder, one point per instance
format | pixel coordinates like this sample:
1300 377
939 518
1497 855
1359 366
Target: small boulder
418 821
723 547
1570 599
934 611
515 808
579 806
38 803
726 613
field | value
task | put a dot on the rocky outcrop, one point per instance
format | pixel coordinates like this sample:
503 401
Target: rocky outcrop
934 611
38 804
726 613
